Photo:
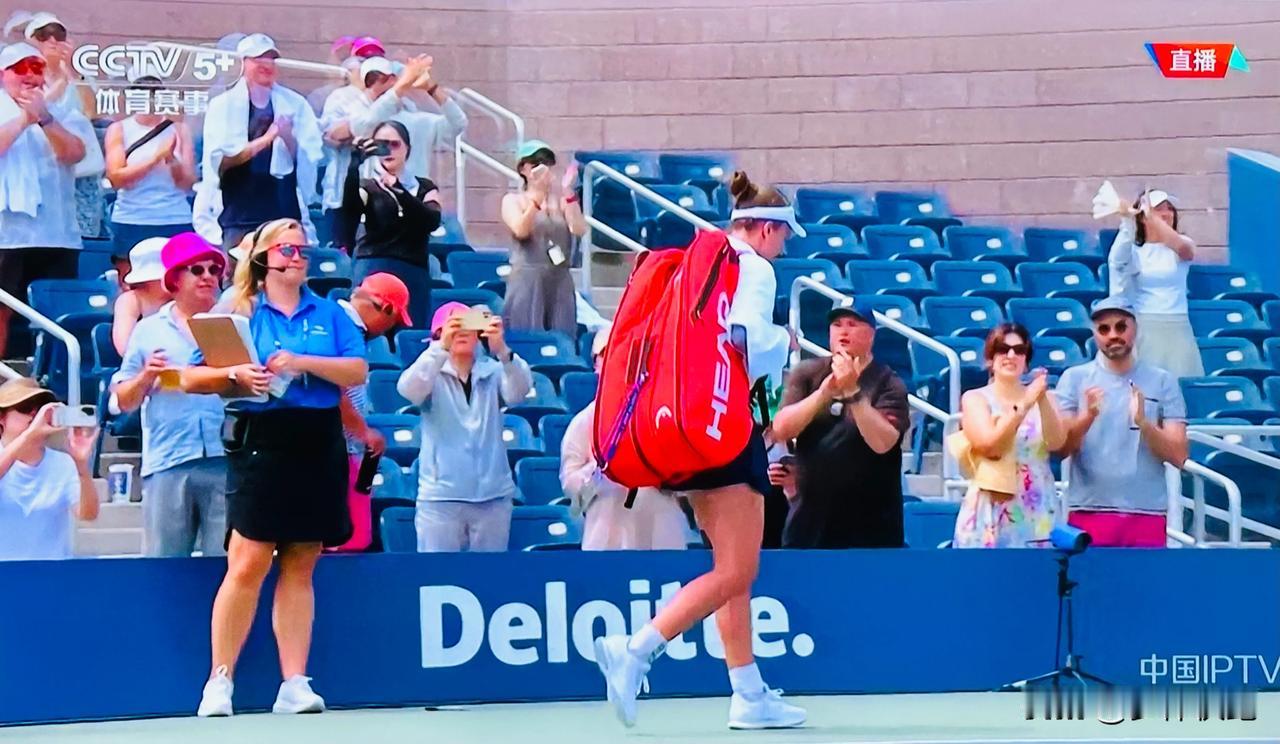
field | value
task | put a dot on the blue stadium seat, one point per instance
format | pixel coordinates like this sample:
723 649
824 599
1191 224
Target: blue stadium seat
579 389
927 525
892 305
961 316
550 352
1271 314
469 297
378 354
1259 487
379 504
687 197
1271 352
903 278
381 389
389 482
640 166
855 222
896 206
1227 318
1271 391
1106 237
971 243
975 279
612 204
542 400
937 224
471 269
552 429
787 270
403 435
95 259
450 232
1055 354
106 360
538 479
54 297
517 436
1234 356
812 205
434 266
395 526
338 286
51 362
893 242
1218 282
1051 317
1225 395
1200 452
931 369
1067 279
533 526
833 242
685 167
328 263
410 343
670 230
1056 244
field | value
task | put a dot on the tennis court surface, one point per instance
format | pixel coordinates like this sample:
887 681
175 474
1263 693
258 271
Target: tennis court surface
959 718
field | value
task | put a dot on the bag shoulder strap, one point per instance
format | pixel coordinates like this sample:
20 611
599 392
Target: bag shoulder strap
155 131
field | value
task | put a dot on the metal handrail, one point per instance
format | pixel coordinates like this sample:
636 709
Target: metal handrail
462 149
58 332
593 224
1233 517
902 329
474 97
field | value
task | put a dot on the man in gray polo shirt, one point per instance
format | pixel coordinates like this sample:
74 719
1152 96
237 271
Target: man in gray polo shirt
1125 420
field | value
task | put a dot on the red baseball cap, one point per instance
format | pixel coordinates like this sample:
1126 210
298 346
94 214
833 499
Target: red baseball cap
389 289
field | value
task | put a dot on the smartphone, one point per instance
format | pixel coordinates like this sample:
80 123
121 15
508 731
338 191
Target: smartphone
539 170
380 149
787 461
80 416
476 319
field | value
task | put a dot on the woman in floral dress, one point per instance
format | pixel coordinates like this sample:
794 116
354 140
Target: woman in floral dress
1010 415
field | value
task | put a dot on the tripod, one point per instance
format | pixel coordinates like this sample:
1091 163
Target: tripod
1071 670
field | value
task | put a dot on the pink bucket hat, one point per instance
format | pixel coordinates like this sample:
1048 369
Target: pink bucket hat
185 249
368 46
443 313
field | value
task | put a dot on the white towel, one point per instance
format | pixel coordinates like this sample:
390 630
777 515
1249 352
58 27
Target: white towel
20 164
226 132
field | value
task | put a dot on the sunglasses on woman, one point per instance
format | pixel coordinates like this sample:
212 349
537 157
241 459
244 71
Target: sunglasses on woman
288 250
199 270
57 33
390 144
1002 349
28 66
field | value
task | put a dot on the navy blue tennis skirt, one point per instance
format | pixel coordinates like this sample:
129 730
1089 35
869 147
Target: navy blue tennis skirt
750 467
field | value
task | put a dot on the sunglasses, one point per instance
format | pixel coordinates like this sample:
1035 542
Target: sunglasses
57 33
1120 327
198 270
28 66
289 250
390 144
1001 349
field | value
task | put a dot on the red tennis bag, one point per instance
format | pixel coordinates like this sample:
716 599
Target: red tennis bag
674 391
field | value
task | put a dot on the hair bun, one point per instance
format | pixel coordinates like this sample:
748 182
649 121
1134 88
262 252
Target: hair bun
741 188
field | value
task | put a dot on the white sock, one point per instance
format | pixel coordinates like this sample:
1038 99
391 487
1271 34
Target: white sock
746 680
647 643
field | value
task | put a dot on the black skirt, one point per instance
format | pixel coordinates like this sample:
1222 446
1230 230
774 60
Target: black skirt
750 468
287 477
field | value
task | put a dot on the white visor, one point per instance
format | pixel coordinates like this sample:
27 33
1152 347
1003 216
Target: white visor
1156 197
773 214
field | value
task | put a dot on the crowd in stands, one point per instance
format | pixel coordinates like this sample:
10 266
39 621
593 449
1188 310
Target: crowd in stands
302 423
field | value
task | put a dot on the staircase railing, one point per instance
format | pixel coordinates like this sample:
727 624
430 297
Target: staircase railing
76 415
462 150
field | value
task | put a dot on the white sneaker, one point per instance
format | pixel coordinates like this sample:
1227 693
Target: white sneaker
216 699
624 676
296 696
765 710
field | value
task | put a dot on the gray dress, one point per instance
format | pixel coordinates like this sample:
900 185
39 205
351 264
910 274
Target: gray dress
540 294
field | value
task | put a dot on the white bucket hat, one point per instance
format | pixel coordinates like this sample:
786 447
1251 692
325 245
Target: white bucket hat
144 261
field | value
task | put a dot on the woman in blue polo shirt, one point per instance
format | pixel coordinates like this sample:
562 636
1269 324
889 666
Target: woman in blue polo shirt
287 463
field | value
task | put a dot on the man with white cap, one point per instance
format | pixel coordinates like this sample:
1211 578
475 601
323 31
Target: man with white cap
261 145
655 520
39 237
184 472
146 293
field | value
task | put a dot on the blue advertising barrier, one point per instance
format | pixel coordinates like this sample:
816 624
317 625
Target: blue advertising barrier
91 639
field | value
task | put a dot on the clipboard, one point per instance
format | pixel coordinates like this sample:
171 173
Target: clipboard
225 341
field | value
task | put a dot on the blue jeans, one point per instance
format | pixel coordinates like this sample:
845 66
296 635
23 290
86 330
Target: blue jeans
124 236
416 278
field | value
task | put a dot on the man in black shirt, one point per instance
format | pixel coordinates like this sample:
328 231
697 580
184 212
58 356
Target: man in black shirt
847 413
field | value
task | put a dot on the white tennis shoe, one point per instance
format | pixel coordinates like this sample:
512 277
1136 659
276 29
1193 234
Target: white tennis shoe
216 699
296 696
764 710
624 675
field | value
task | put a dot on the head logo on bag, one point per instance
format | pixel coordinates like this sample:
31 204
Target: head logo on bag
721 381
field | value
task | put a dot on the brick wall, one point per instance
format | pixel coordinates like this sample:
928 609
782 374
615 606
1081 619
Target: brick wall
1015 109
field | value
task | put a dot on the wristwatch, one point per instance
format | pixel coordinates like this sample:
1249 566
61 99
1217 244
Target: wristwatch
45 120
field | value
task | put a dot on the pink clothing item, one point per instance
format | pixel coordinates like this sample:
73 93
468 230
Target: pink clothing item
185 249
1121 529
361 510
444 312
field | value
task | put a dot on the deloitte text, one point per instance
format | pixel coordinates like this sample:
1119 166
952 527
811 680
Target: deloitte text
520 634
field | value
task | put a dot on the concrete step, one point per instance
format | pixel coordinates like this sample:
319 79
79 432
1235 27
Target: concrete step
925 486
117 517
91 541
